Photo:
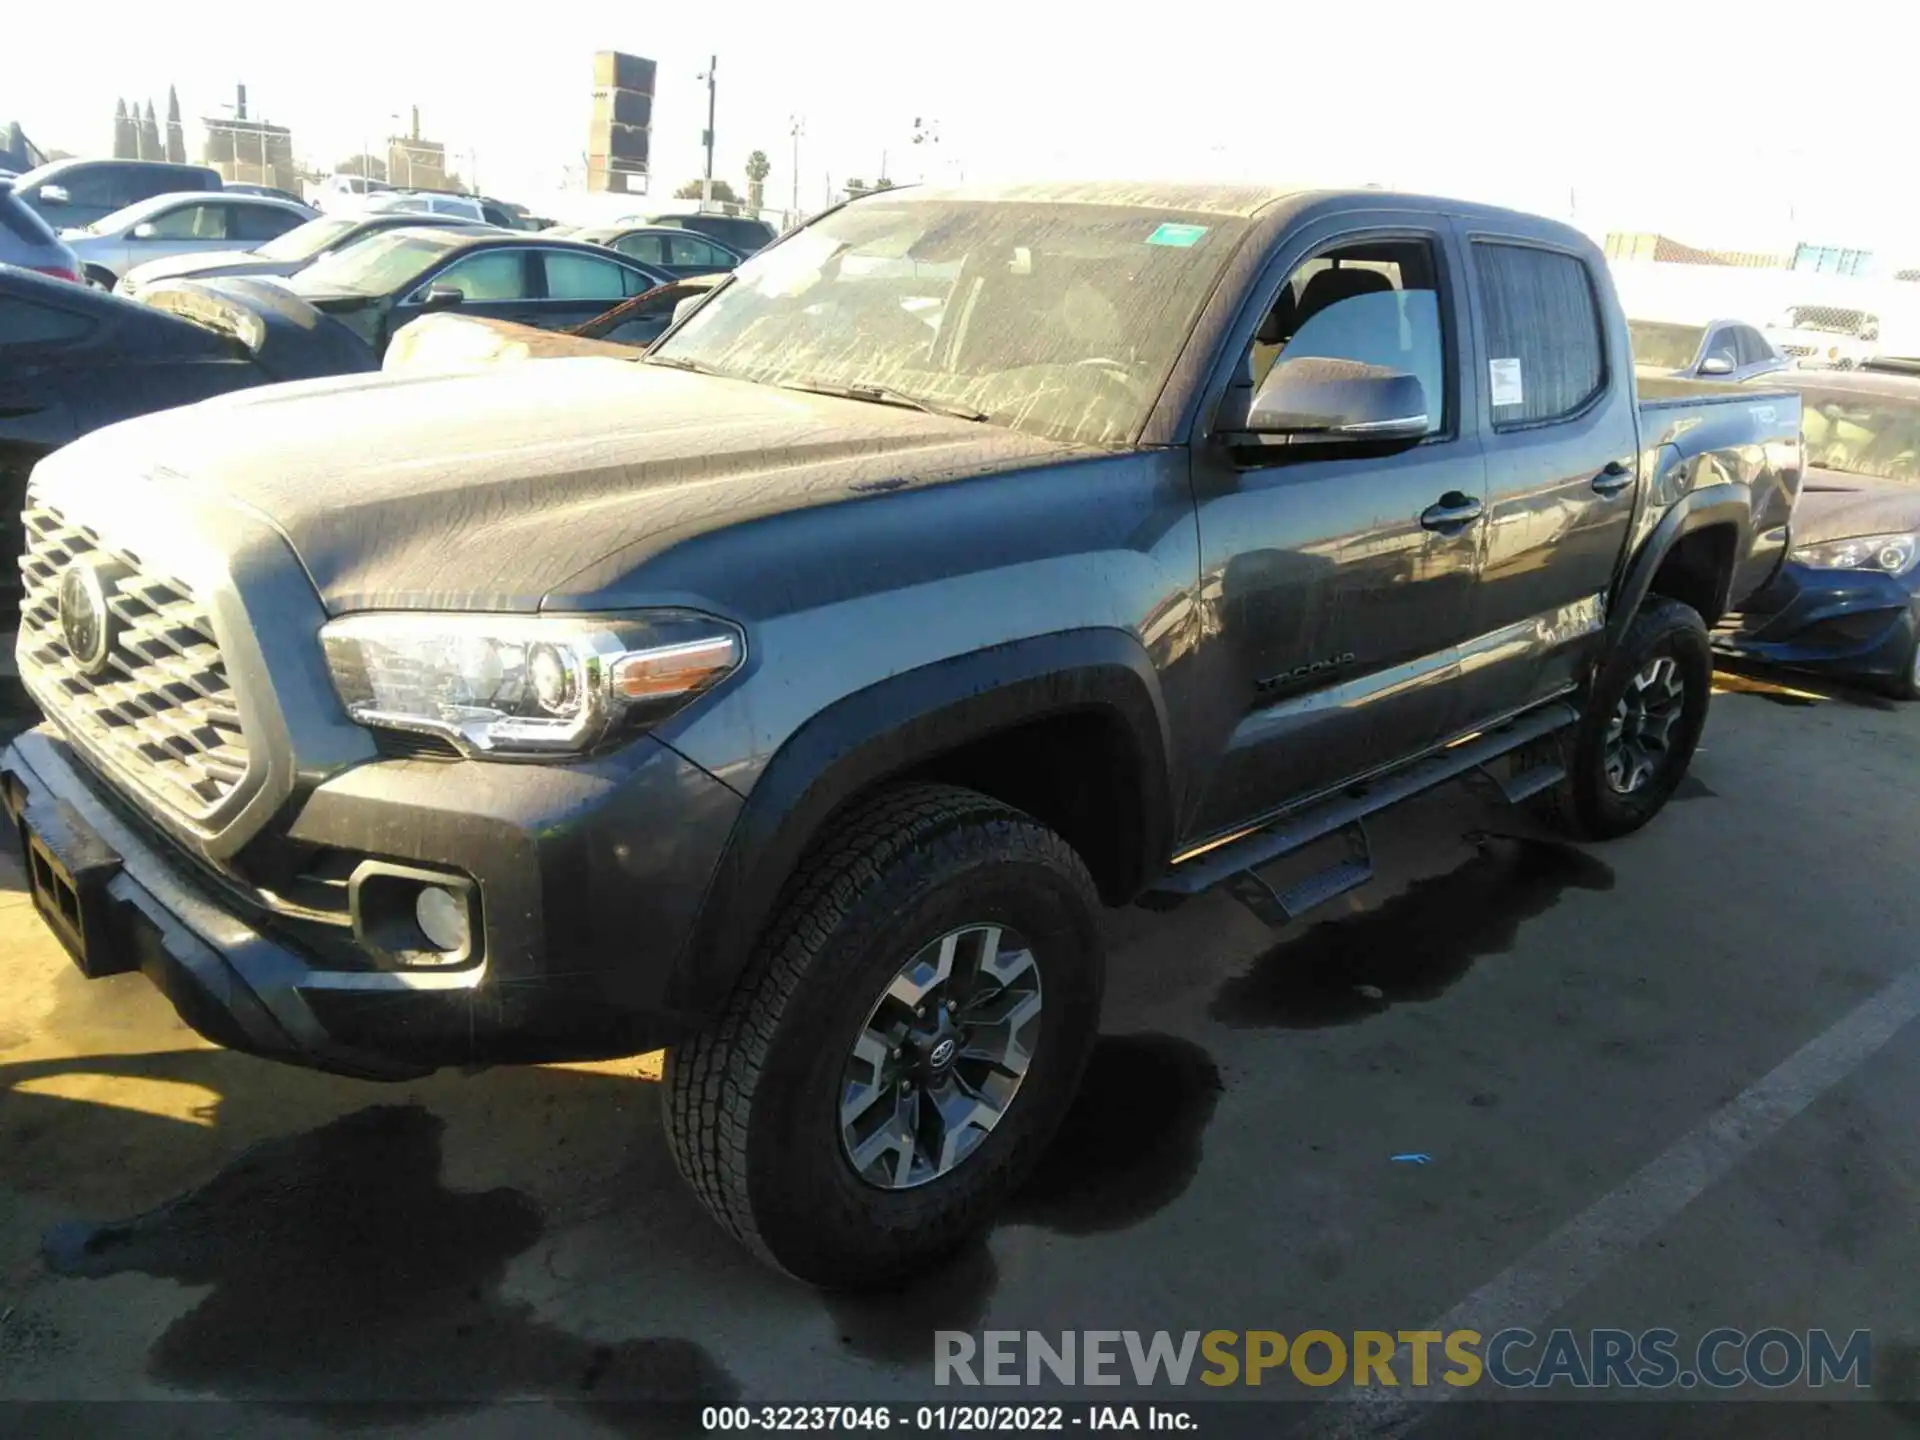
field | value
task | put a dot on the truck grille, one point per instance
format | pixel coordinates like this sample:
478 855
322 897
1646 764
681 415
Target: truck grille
158 704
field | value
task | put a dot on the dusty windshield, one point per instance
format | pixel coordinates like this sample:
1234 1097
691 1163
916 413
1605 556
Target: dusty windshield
1062 320
375 267
303 242
1664 346
1863 434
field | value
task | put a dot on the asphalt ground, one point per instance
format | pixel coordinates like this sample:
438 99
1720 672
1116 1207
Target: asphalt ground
1667 1082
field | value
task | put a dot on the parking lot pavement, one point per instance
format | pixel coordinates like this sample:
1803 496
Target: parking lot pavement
1665 1081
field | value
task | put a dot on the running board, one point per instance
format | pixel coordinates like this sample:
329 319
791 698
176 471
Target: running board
1233 864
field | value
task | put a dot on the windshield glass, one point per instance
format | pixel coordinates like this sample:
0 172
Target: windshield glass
378 266
1664 346
1863 434
303 242
1062 320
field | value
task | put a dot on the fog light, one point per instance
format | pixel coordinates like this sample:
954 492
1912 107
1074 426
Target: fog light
443 919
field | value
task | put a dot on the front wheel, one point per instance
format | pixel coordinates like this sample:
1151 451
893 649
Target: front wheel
1642 720
904 1043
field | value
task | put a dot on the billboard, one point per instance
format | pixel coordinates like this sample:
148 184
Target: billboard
621 123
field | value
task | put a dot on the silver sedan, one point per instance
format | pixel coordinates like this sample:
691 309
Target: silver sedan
179 224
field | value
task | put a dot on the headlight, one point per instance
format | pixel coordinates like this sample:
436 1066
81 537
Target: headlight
525 684
1893 554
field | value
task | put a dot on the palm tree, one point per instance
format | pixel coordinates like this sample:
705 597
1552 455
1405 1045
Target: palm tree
758 168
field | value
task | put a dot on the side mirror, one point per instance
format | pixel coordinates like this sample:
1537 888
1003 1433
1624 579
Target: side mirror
145 230
442 297
54 195
1718 363
1321 399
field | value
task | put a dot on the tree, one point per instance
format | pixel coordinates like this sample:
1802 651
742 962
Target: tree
758 168
722 192
371 166
857 187
176 132
151 147
126 142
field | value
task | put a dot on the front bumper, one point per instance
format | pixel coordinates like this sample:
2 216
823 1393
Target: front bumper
591 877
1845 622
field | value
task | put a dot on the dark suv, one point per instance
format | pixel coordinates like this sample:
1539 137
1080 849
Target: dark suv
79 192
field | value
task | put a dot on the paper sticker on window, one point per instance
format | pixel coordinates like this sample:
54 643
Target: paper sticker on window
1180 236
1503 377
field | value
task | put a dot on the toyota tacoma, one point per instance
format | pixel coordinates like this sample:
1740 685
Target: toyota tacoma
794 695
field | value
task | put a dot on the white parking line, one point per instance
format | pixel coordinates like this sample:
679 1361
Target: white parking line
1528 1292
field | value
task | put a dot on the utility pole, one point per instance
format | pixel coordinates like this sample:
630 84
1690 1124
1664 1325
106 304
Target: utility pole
799 129
706 185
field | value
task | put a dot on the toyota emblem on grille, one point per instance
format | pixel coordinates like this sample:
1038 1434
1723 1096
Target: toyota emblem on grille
85 620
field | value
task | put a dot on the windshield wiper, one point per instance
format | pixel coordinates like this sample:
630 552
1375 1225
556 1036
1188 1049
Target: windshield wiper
675 362
887 395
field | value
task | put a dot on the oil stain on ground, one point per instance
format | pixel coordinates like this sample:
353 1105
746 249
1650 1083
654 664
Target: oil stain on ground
341 1269
1413 946
1129 1146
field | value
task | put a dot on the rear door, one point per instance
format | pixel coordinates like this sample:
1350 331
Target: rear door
692 254
253 225
580 286
1561 434
1336 586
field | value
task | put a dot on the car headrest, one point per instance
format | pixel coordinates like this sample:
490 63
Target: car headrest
1329 287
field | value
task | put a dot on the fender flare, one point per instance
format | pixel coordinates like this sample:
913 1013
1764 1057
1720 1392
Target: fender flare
1725 504
893 727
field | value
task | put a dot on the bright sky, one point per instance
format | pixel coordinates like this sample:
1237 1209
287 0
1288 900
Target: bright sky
1725 124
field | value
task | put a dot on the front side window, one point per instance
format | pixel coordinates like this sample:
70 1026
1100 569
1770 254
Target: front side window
1062 320
490 275
24 323
190 222
647 249
1377 303
1546 355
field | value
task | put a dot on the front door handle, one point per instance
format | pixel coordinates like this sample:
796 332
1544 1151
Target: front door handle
1454 513
1612 480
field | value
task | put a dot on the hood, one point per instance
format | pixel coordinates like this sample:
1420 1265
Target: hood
213 262
486 490
1837 506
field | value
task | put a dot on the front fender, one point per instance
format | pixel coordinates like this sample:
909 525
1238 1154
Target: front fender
896 726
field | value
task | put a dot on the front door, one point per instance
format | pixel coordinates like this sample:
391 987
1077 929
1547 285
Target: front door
1336 587
493 285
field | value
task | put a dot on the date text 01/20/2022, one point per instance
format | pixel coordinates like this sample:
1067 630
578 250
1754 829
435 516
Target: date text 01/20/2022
941 1419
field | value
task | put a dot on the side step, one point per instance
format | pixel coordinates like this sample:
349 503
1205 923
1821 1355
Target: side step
1233 864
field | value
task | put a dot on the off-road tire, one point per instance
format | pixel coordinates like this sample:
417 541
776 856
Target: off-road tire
1583 804
752 1102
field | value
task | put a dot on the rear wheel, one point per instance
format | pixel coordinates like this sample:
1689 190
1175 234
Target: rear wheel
903 1045
1643 718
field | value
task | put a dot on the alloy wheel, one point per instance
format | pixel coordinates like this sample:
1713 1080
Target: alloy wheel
1640 735
940 1057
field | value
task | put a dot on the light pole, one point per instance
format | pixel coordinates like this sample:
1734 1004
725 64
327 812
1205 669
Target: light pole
799 129
405 149
706 185
925 132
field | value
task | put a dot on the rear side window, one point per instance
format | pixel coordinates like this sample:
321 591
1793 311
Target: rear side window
584 277
24 323
1545 351
261 222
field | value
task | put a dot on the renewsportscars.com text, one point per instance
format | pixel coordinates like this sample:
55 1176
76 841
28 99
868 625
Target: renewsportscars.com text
1720 1359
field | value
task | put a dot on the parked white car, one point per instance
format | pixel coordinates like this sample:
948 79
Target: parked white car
179 224
423 202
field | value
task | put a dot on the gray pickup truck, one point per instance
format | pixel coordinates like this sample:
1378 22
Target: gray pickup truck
794 696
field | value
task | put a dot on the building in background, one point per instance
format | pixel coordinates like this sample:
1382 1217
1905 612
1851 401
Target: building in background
621 127
414 163
247 151
1626 245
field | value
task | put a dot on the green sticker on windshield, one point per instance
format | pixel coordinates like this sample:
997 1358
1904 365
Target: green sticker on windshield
1177 235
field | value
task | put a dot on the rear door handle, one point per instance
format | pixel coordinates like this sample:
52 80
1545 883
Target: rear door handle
1454 513
1612 480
